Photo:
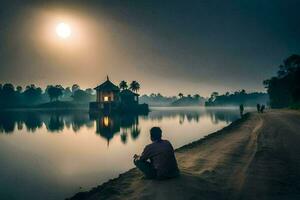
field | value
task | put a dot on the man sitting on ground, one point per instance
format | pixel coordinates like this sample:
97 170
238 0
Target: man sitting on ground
158 159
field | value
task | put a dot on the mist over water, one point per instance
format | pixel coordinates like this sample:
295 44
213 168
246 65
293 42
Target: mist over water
52 155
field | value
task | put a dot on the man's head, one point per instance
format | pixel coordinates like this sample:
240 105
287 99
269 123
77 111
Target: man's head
155 134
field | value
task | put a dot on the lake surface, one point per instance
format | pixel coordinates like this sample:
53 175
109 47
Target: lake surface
53 155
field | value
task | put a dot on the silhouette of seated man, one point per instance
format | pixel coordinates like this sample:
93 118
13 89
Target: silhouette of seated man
158 159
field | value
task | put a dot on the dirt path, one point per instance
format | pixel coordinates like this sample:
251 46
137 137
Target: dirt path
257 157
274 173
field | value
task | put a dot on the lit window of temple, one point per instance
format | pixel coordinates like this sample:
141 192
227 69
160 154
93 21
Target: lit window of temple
106 98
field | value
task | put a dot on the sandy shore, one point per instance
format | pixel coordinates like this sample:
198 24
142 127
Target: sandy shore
257 157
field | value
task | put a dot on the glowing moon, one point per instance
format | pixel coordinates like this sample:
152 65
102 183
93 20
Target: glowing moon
63 30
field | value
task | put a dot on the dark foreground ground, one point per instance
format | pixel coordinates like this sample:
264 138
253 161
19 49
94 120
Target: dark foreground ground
257 157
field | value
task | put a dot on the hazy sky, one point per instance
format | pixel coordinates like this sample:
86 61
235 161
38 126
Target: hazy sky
168 46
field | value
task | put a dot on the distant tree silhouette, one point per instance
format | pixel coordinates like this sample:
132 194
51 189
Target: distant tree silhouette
67 91
152 95
123 85
213 96
16 97
67 94
19 89
157 99
284 89
197 96
8 94
81 96
54 92
89 91
189 100
134 86
32 94
75 87
236 98
8 89
60 87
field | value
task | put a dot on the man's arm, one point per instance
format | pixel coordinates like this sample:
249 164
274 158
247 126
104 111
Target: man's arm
136 158
146 153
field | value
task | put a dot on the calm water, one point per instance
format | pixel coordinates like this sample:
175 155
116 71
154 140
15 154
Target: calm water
54 155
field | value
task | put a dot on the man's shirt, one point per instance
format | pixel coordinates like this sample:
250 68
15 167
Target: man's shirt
161 154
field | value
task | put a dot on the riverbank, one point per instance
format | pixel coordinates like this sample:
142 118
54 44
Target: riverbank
257 156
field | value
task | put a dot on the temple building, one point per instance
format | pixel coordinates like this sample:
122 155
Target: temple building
110 98
107 95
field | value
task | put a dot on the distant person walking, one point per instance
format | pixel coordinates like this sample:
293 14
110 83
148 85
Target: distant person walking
241 110
158 159
258 107
262 108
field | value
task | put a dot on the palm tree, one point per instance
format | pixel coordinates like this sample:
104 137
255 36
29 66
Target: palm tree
180 95
123 85
134 86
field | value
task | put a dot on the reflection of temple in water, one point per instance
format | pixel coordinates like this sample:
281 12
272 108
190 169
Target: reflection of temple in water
107 126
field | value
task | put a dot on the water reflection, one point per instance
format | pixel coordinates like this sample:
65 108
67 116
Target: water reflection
106 126
194 115
67 149
109 125
55 122
33 120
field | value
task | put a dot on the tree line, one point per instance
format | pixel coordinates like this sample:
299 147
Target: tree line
157 99
284 88
237 98
17 96
182 100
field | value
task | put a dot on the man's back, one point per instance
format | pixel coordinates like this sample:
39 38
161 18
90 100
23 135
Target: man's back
161 155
